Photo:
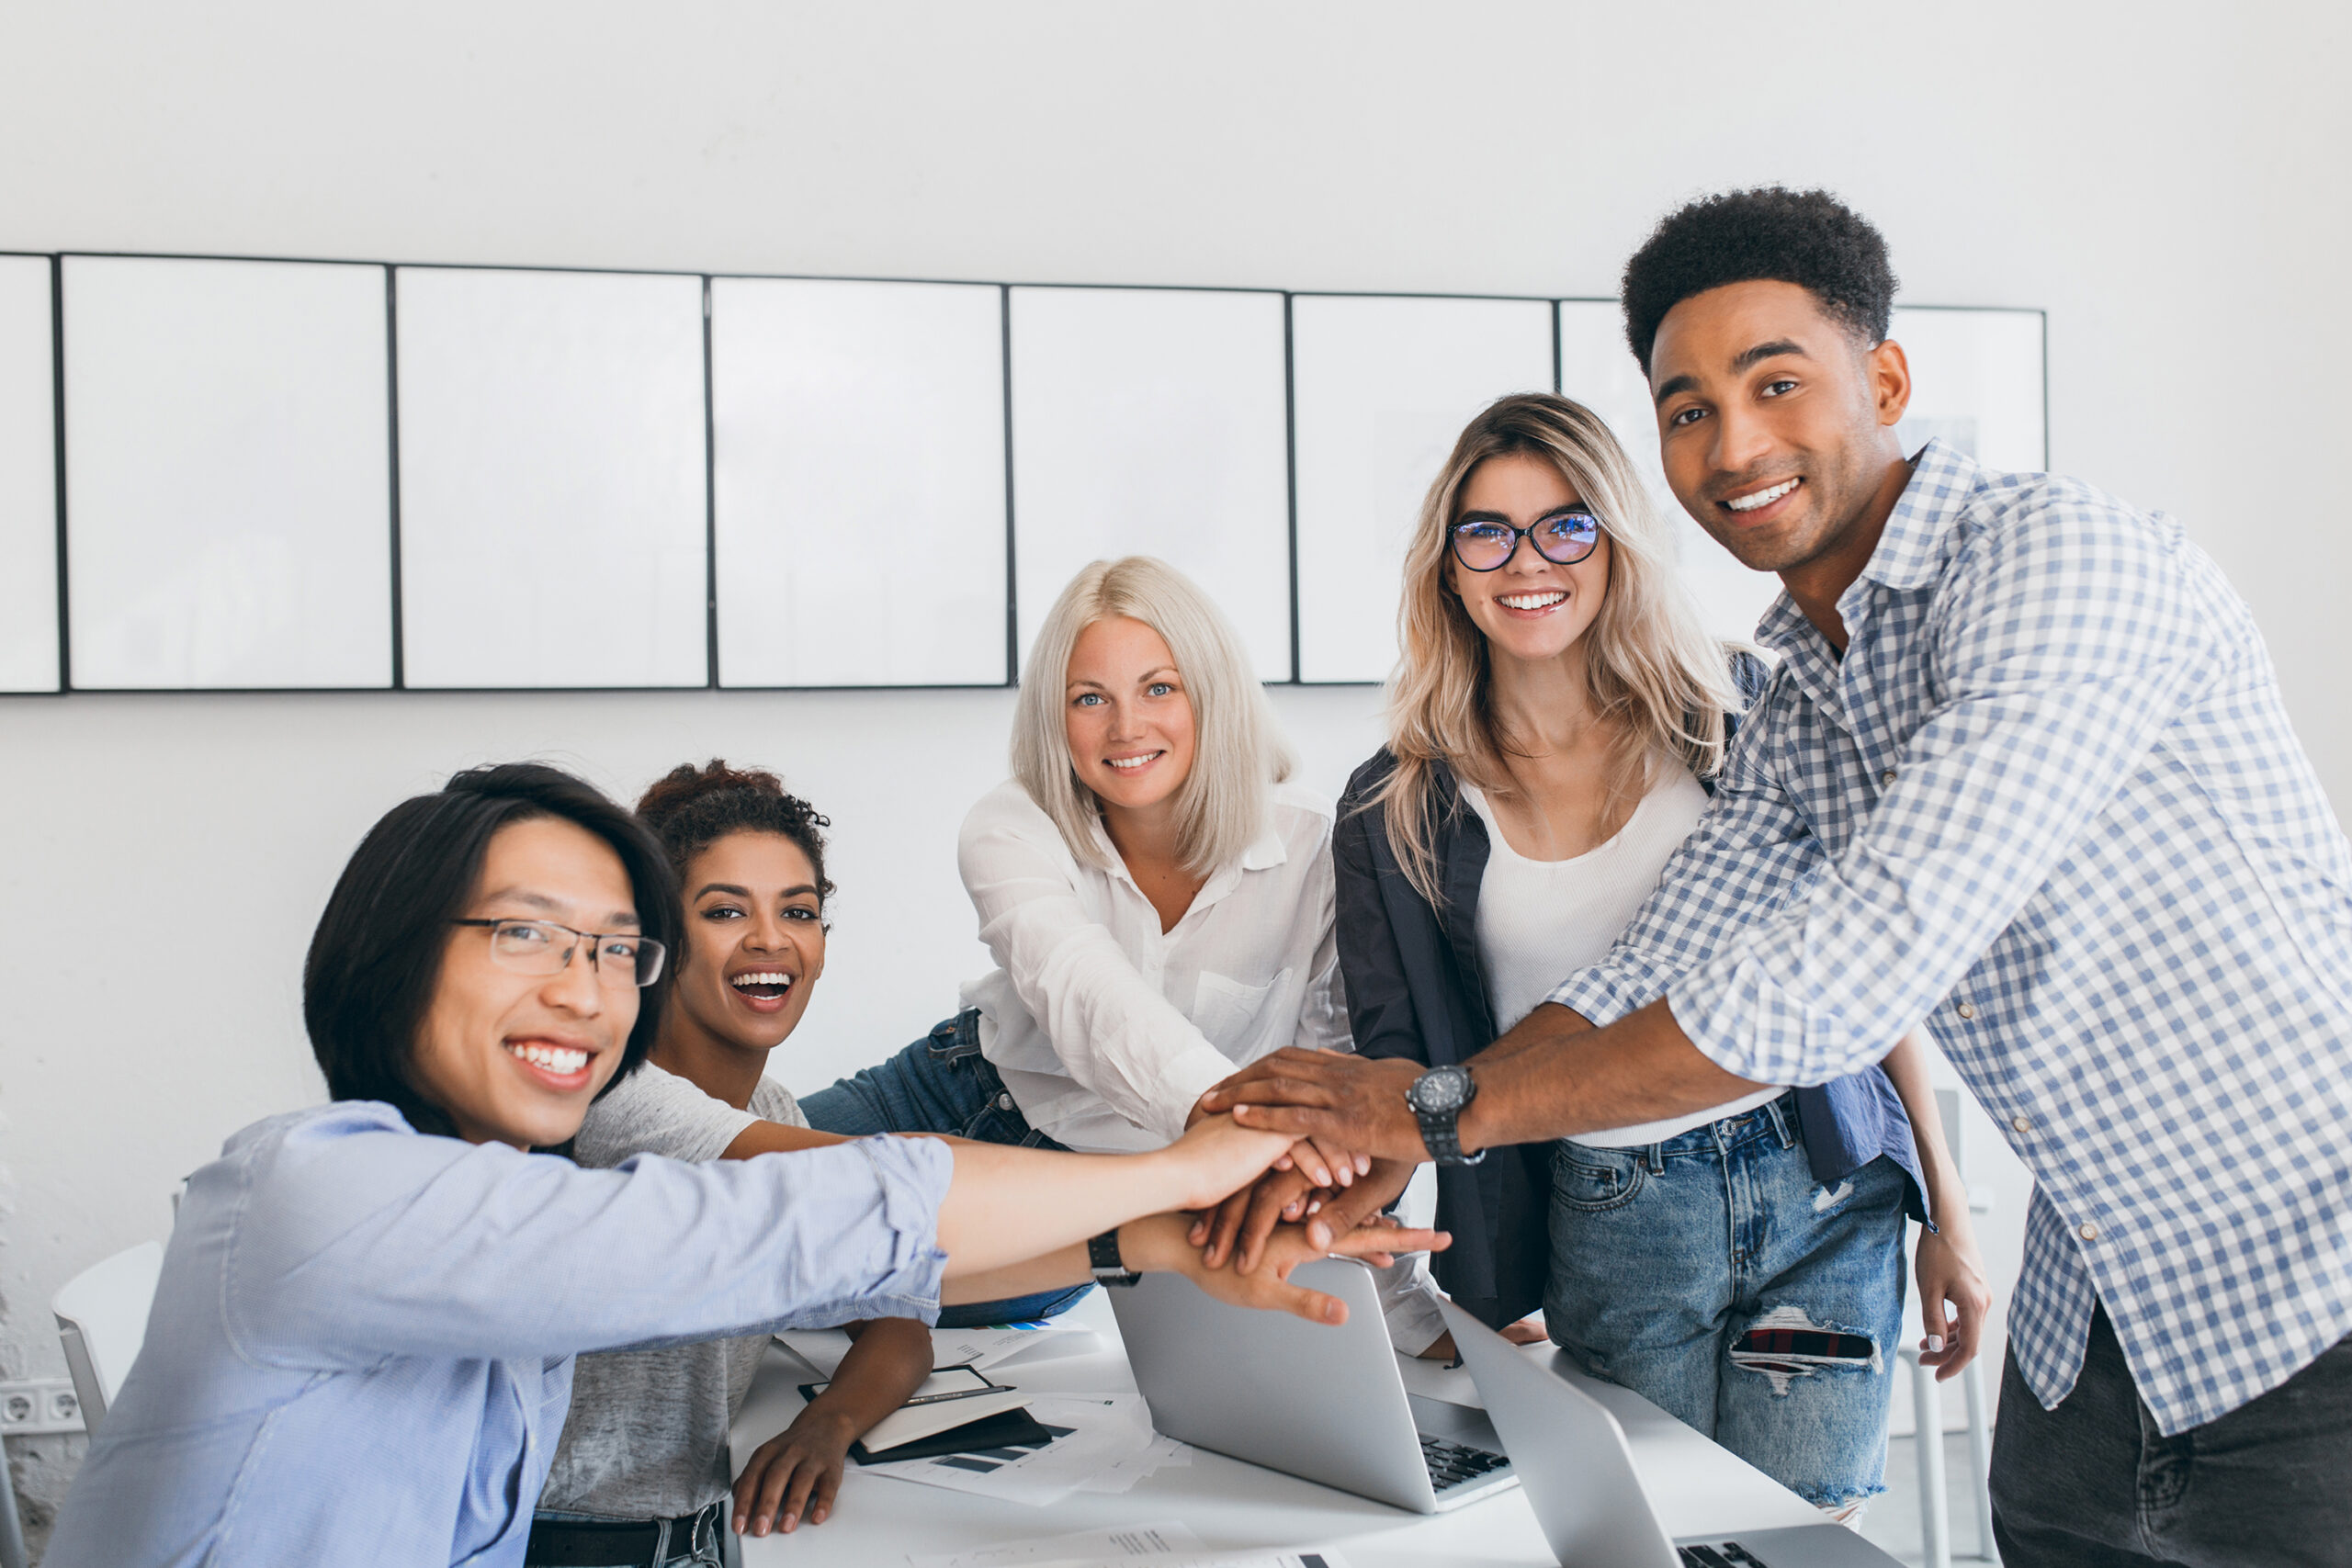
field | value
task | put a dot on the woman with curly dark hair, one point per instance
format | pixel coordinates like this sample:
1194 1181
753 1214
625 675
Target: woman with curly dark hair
645 1445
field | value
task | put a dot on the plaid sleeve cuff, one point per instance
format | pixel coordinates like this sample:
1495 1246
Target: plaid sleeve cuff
1599 994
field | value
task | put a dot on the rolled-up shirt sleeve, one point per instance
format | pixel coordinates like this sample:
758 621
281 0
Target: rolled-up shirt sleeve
1114 1033
359 1242
2061 654
1750 853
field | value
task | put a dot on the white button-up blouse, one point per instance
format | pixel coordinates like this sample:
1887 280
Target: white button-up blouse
1107 1030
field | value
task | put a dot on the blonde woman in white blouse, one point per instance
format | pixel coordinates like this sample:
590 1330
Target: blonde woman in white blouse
1154 891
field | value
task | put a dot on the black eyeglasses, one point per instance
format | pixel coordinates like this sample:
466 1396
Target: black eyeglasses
540 947
1564 538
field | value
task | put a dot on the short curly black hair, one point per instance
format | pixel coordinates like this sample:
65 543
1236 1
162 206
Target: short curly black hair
1805 237
690 809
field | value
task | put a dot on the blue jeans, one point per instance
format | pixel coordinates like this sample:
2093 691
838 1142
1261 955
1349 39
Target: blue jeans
942 1084
1713 1276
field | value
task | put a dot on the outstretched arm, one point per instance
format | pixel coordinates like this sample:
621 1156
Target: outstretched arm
1007 1205
1551 1077
1161 1244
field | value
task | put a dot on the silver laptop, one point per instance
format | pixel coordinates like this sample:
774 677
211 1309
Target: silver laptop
1328 1405
1578 1471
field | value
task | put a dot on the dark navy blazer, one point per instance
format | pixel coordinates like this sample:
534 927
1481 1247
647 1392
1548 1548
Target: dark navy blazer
1415 989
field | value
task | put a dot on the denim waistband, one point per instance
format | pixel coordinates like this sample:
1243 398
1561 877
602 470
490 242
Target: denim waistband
1775 1119
952 1039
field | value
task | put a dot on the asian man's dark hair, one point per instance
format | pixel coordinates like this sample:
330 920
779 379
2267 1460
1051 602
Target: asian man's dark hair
1805 237
376 956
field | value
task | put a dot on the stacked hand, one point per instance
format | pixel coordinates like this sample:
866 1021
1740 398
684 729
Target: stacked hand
1356 1145
1224 1167
1331 1100
1377 1241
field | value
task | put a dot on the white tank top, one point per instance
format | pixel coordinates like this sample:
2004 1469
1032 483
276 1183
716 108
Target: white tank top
1540 922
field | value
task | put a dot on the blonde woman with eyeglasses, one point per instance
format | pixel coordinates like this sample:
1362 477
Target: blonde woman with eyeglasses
1156 894
1555 725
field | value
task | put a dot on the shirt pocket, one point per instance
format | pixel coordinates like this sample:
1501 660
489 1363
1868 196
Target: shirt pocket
1227 1011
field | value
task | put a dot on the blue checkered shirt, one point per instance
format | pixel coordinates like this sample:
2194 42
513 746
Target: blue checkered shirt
2049 802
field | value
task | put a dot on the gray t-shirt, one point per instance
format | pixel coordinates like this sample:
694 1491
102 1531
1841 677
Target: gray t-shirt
647 1435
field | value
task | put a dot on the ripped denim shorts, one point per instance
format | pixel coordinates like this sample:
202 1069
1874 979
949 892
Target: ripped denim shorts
1713 1275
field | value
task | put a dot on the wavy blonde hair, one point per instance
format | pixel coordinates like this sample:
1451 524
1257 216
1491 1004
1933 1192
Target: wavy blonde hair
1238 753
1650 668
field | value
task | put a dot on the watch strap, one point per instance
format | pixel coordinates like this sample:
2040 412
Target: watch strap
1441 1133
1103 1258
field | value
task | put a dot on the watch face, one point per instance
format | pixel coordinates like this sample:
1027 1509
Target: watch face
1441 1090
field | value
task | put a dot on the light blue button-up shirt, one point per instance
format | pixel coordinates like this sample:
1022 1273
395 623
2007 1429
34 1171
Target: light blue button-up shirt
2049 802
360 1350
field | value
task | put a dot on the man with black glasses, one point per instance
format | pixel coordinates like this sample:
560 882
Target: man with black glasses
2023 773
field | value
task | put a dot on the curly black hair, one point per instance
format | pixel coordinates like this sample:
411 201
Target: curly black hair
690 809
1805 237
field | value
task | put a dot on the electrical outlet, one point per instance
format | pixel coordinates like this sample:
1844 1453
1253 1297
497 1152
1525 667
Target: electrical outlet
39 1407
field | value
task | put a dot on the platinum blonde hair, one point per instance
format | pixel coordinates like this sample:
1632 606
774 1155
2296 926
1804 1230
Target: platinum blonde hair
1238 750
1650 668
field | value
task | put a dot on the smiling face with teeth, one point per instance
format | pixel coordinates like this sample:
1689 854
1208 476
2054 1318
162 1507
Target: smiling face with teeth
1776 426
512 1057
1530 610
1127 717
755 945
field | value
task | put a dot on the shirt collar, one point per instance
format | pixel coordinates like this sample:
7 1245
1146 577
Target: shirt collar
1265 852
1911 549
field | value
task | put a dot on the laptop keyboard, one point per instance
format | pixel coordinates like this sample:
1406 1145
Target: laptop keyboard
1451 1464
1730 1555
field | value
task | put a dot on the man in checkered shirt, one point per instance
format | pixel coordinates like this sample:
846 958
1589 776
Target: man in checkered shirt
2023 774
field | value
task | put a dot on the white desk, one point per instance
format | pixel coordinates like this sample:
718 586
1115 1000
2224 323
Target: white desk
1698 1487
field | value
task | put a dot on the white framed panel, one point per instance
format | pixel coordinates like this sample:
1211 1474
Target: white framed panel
1381 388
1976 382
1598 370
858 454
228 474
27 477
1154 421
553 484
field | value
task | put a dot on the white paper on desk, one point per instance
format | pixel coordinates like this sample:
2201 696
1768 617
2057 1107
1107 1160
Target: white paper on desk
1102 1431
984 1348
1145 1541
911 1423
1132 1468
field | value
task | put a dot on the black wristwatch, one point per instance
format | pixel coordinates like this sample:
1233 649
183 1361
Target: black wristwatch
1437 1098
1102 1256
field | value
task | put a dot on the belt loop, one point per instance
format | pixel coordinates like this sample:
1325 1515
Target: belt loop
1658 1159
1781 1121
661 1542
956 1038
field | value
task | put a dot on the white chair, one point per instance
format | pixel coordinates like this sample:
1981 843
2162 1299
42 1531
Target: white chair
102 1319
1927 1410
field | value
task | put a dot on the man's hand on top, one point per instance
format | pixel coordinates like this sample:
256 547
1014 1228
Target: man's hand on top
1339 1101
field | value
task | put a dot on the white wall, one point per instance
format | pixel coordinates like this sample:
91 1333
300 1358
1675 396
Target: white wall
2165 179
